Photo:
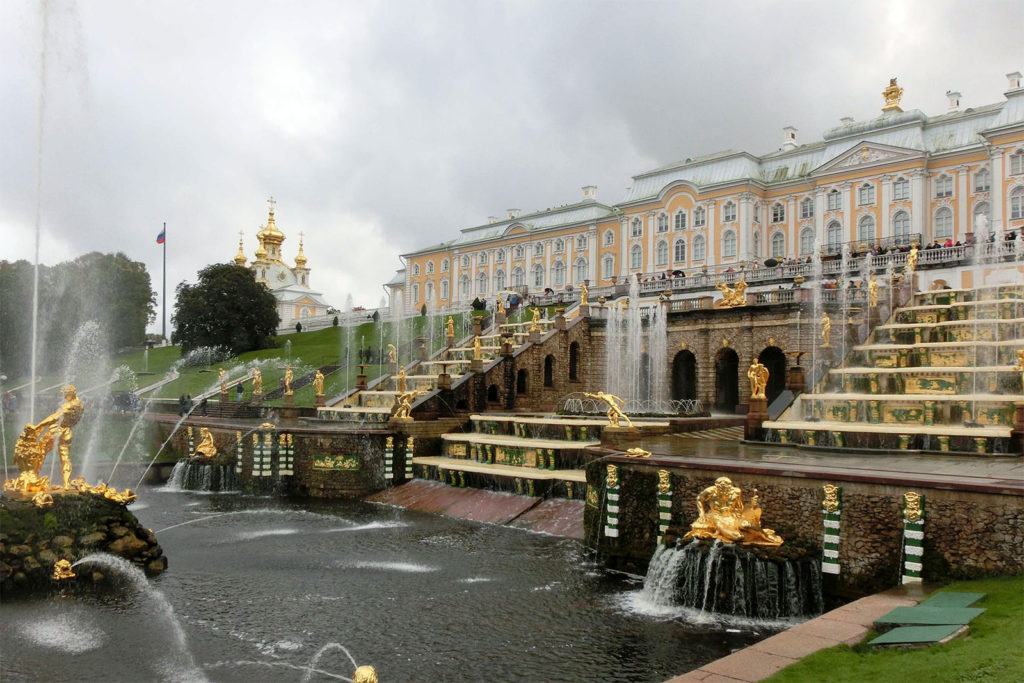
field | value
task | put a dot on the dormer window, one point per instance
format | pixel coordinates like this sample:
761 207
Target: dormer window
778 213
636 228
866 194
943 186
729 212
835 200
900 190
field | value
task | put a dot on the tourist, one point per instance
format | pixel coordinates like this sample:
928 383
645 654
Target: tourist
202 407
238 392
188 404
182 410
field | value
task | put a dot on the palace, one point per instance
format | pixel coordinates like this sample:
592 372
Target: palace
296 302
900 178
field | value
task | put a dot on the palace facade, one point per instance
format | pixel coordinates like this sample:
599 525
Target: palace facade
899 178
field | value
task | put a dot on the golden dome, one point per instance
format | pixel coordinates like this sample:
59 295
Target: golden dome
300 260
240 256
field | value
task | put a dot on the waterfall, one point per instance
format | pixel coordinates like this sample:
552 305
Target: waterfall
729 579
191 475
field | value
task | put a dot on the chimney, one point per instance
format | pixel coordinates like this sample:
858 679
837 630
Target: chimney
846 120
954 100
589 192
513 213
1013 80
492 219
790 138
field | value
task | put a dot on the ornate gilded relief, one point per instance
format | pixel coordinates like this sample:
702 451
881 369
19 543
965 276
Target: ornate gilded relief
901 414
664 481
912 506
930 384
613 476
723 516
830 503
337 462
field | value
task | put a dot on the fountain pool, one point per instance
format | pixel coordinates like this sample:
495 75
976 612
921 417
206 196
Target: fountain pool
260 586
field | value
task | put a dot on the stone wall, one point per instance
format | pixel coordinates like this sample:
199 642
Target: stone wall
967 534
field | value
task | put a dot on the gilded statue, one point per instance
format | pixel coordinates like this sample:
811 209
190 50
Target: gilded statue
614 404
723 516
403 404
318 383
826 330
583 295
392 354
222 376
912 506
911 260
450 325
288 377
892 96
758 376
500 305
400 380
535 320
873 291
206 447
62 571
637 452
257 382
732 296
37 440
476 348
830 502
365 674
613 476
664 481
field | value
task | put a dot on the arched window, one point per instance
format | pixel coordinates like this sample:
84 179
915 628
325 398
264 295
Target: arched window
679 250
430 290
636 257
636 228
607 267
444 289
982 181
757 244
430 267
464 286
518 252
549 371
698 248
662 223
661 254
1017 204
866 230
807 209
980 209
582 271
609 238
834 236
538 275
499 281
465 262
481 283
538 249
559 246
700 217
415 291
778 213
778 245
574 362
518 277
729 212
558 273
806 241
943 223
729 244
415 270
901 228
680 220
445 265
1017 162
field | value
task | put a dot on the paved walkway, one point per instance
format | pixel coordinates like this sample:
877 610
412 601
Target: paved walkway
847 624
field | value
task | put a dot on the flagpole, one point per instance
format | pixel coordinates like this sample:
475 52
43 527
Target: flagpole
163 309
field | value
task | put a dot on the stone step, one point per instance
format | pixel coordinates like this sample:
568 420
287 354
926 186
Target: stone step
457 465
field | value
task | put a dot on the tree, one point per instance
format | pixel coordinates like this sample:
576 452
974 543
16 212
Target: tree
227 307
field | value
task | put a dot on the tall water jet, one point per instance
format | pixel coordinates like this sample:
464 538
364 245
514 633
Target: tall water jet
638 375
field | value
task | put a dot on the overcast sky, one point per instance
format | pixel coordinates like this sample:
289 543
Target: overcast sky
383 127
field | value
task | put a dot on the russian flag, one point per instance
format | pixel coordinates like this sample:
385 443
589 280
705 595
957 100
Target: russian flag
160 238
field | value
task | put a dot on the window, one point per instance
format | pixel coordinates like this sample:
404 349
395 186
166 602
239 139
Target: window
581 243
661 254
729 244
415 270
1017 162
1017 204
559 246
500 256
729 212
778 245
609 238
680 220
778 213
755 211
482 259
464 286
518 277
558 273
980 209
943 228
982 181
636 257
582 270
444 289
866 230
900 190
943 186
901 228
662 223
430 267
636 228
700 217
518 252
757 244
607 267
499 281
806 241
445 266
834 235
698 248
465 262
866 194
679 251
538 275
835 200
430 290
538 249
481 283
807 209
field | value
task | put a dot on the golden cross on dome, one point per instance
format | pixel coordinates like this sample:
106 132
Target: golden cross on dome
271 201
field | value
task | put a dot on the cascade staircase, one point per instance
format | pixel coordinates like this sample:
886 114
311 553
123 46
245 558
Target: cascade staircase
303 381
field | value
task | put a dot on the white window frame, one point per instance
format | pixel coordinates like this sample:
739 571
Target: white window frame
481 258
662 223
679 250
518 252
834 236
444 289
581 242
581 269
538 249
415 270
661 254
538 276
559 245
982 180
481 283
901 227
806 241
900 190
778 245
465 286
557 274
607 267
636 257
778 212
866 230
943 187
430 267
636 228
729 212
729 246
942 225
680 219
700 217
500 256
1017 204
834 200
866 195
699 250
806 208
518 277
1017 162
609 238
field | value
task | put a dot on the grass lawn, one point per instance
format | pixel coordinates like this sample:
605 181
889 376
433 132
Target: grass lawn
992 650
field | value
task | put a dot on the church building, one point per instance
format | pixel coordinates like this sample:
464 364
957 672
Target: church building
296 301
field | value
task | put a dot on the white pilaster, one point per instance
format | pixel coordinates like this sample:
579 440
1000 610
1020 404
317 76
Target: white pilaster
996 161
710 243
962 196
883 205
623 248
745 248
918 203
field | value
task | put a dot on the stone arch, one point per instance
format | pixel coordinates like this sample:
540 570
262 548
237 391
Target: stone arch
574 362
727 380
549 371
493 394
522 381
773 358
645 375
684 376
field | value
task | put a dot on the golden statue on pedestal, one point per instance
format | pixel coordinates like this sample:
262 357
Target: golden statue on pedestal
732 296
758 376
500 305
476 348
403 405
206 447
873 292
826 330
257 382
318 383
892 96
724 517
288 376
584 292
392 354
400 380
535 320
222 377
450 325
911 261
614 404
37 440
